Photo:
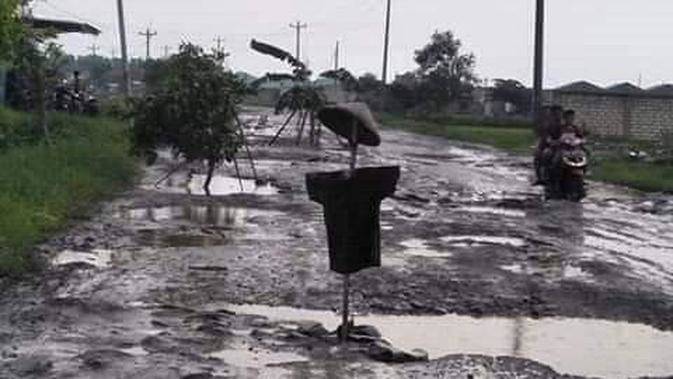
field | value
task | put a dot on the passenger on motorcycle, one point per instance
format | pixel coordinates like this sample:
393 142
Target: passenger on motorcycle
549 131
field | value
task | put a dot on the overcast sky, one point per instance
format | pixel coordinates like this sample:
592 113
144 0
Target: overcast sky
603 41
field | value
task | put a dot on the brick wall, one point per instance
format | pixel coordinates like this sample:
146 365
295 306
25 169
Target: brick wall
641 117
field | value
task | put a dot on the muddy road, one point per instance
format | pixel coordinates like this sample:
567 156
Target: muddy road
478 272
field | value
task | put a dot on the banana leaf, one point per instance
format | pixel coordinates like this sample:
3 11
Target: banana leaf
276 52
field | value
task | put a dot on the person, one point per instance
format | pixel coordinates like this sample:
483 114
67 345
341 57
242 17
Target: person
548 132
569 125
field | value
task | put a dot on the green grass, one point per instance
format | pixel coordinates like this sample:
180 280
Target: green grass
609 166
43 187
512 138
650 177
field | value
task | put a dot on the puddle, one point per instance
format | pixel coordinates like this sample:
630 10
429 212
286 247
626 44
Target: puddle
97 258
495 211
477 241
574 346
256 358
137 351
551 272
219 186
209 214
419 248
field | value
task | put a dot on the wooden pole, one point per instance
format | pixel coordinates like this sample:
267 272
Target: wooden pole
346 277
122 38
538 64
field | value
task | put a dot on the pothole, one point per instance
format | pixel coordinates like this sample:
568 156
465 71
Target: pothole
585 347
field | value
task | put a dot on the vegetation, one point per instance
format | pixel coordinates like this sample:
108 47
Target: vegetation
11 28
646 176
514 92
512 138
191 110
446 73
42 187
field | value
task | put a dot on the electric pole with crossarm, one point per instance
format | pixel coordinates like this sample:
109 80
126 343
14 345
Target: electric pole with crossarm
148 34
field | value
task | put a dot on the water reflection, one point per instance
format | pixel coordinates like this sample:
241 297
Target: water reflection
574 346
192 184
212 214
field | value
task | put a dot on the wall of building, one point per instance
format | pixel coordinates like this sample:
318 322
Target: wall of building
640 117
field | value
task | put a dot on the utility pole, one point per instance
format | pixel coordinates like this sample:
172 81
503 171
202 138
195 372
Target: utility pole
148 34
298 26
94 49
336 56
386 43
539 61
125 60
220 49
219 41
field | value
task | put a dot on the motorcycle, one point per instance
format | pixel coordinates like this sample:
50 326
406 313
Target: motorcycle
568 169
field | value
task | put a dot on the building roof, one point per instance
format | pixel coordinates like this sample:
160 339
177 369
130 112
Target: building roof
580 86
664 89
61 26
620 89
625 88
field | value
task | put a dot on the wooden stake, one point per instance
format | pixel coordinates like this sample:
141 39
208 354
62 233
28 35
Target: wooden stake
346 278
247 147
282 127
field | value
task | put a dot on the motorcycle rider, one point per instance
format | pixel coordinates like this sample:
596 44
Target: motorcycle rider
549 132
569 125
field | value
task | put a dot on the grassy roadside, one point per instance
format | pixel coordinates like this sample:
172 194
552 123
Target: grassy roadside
608 167
43 187
649 177
511 138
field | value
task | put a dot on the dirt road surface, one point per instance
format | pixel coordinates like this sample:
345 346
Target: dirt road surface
478 271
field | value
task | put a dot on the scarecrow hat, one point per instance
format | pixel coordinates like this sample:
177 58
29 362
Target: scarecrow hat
339 118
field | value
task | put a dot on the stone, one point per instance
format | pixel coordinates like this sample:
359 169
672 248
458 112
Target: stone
312 329
383 351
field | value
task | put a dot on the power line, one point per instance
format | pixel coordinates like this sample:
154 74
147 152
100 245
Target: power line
298 26
148 34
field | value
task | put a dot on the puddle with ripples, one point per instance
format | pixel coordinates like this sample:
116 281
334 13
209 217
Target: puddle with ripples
575 346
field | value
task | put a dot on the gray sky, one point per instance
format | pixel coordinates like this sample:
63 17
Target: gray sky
604 41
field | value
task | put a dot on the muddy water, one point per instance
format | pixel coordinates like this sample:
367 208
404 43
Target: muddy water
214 214
465 235
575 346
221 185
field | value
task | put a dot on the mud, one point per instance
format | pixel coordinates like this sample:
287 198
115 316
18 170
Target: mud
491 279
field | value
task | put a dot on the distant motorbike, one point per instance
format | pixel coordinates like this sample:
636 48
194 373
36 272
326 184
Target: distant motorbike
569 167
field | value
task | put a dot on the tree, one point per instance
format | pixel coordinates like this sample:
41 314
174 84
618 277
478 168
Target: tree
11 28
512 91
446 73
369 83
193 110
